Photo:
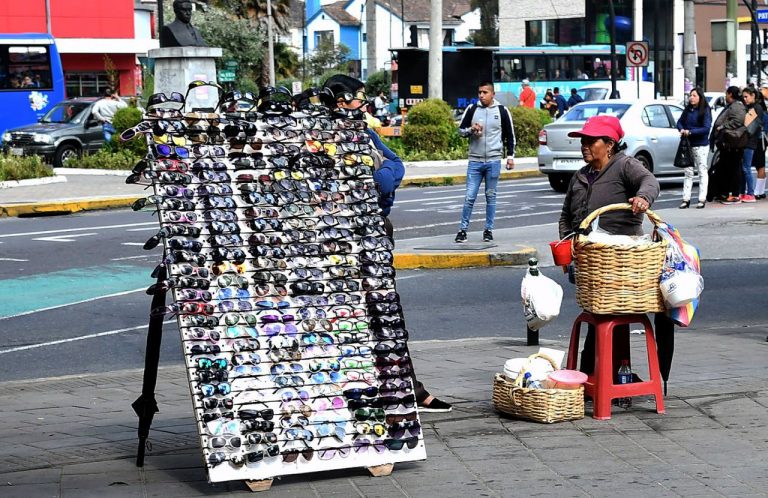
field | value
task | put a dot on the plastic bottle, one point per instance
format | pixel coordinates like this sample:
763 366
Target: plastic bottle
625 377
526 379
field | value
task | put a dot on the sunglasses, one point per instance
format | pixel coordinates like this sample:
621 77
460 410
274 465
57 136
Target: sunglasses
290 456
160 99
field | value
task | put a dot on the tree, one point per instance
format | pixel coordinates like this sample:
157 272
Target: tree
257 10
328 57
378 81
488 35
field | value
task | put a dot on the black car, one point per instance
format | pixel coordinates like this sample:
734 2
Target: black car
66 131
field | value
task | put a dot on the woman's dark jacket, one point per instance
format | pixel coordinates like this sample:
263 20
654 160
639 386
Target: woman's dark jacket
698 123
622 178
757 136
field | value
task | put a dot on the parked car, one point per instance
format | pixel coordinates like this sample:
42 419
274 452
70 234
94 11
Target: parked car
601 90
66 131
650 135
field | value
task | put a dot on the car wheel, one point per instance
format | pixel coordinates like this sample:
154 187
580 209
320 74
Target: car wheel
64 152
645 161
559 182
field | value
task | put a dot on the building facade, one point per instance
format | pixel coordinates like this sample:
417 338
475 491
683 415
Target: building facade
94 38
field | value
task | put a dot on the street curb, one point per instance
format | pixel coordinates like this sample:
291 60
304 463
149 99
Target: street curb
91 172
438 260
33 181
65 207
436 180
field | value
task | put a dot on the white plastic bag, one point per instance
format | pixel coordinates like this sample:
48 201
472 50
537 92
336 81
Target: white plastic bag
680 283
542 297
598 235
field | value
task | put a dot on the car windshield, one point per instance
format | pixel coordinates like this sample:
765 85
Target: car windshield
593 93
584 111
66 112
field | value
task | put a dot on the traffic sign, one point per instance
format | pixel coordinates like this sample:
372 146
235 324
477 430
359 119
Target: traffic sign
231 64
226 75
762 16
637 54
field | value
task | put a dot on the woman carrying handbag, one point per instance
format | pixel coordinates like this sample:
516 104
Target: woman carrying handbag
694 124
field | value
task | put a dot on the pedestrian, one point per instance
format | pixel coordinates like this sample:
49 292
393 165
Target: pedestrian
575 98
104 111
527 95
349 93
754 122
759 160
695 123
725 185
380 106
488 124
562 105
548 103
609 177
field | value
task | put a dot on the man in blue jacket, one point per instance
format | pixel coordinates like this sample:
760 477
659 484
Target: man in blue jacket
488 124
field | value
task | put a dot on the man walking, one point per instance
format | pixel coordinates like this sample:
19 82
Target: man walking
104 110
527 95
488 124
575 98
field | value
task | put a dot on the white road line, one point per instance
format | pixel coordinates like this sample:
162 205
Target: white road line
143 229
502 186
65 238
133 257
456 222
132 243
72 304
410 276
14 259
68 230
498 195
79 338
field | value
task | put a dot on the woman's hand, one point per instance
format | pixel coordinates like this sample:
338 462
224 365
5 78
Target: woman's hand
639 205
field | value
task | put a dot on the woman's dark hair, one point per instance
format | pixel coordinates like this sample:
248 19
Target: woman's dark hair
617 146
750 91
734 92
703 106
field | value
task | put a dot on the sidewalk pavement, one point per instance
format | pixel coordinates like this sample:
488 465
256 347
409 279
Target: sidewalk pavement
76 436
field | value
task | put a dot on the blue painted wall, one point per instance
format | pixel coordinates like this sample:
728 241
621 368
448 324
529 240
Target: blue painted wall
312 7
350 36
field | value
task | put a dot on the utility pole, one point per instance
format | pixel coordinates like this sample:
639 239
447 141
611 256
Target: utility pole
689 42
755 48
270 45
48 16
614 62
731 12
371 64
656 61
436 49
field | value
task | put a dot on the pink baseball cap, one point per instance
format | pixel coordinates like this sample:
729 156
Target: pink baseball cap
600 126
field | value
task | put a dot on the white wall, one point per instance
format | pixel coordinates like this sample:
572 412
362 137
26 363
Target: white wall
514 13
471 22
322 23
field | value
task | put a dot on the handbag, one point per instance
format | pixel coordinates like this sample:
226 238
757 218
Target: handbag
736 138
684 155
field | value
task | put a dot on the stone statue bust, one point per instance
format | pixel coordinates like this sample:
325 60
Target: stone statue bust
181 33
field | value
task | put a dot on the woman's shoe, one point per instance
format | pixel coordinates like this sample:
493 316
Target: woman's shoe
701 205
685 204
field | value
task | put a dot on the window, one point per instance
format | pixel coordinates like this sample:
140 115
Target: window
541 32
86 84
676 113
584 111
324 38
655 116
25 67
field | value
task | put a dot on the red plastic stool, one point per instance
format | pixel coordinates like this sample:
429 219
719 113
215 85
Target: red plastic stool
599 385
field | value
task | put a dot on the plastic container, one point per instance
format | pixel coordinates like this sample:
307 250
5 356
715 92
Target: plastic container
567 379
561 251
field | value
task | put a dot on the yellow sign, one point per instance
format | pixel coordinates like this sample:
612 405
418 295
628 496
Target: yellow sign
417 89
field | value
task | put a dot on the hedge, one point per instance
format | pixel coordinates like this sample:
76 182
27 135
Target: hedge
14 168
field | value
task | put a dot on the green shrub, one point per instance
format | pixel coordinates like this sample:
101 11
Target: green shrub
378 81
430 129
125 118
14 168
396 145
430 112
528 123
105 159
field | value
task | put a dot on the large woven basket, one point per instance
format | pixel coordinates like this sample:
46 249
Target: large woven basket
539 405
618 279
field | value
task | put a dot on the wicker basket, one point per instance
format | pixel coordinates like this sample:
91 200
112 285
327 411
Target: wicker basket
540 405
615 279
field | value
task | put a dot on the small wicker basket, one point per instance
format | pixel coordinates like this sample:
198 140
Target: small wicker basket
539 405
616 279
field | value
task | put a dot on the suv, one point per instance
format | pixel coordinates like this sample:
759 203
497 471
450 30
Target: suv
65 132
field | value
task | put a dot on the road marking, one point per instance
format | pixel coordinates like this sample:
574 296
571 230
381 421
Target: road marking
132 243
498 195
132 257
409 276
79 338
14 259
478 219
68 230
72 303
143 229
65 238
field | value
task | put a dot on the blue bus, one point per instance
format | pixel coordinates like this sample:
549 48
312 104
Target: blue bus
31 78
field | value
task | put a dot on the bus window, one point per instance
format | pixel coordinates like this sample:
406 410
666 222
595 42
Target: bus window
25 67
559 67
535 67
511 66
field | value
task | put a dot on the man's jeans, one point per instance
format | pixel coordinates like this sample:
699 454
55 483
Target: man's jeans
476 173
108 131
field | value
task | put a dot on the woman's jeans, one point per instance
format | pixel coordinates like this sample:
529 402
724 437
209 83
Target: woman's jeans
476 173
747 185
700 166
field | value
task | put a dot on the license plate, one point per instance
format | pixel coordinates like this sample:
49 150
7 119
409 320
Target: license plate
568 163
17 151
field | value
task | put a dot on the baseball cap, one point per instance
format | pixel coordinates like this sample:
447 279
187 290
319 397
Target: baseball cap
600 126
526 81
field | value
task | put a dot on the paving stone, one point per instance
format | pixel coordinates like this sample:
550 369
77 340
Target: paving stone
43 490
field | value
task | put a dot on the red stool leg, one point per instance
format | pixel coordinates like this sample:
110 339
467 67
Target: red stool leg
653 365
603 369
573 348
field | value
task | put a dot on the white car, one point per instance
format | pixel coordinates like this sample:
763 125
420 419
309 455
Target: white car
650 135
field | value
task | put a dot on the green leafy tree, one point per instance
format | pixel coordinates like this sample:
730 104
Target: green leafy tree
488 35
377 82
257 10
328 57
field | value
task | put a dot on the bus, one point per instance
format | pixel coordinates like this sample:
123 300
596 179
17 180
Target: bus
31 78
545 67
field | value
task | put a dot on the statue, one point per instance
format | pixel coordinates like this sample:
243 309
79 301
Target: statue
181 33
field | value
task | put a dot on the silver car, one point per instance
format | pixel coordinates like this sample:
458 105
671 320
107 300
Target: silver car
649 132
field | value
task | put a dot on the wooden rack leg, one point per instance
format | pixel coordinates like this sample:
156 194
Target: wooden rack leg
261 485
381 470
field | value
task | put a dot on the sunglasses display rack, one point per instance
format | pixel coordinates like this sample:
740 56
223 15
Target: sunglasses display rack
284 287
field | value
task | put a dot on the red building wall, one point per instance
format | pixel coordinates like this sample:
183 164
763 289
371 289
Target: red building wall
124 63
69 18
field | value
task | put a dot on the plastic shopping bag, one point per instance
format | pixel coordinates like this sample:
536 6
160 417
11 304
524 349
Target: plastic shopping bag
681 281
542 297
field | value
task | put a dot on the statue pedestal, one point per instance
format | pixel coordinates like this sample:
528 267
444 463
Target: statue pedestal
177 67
